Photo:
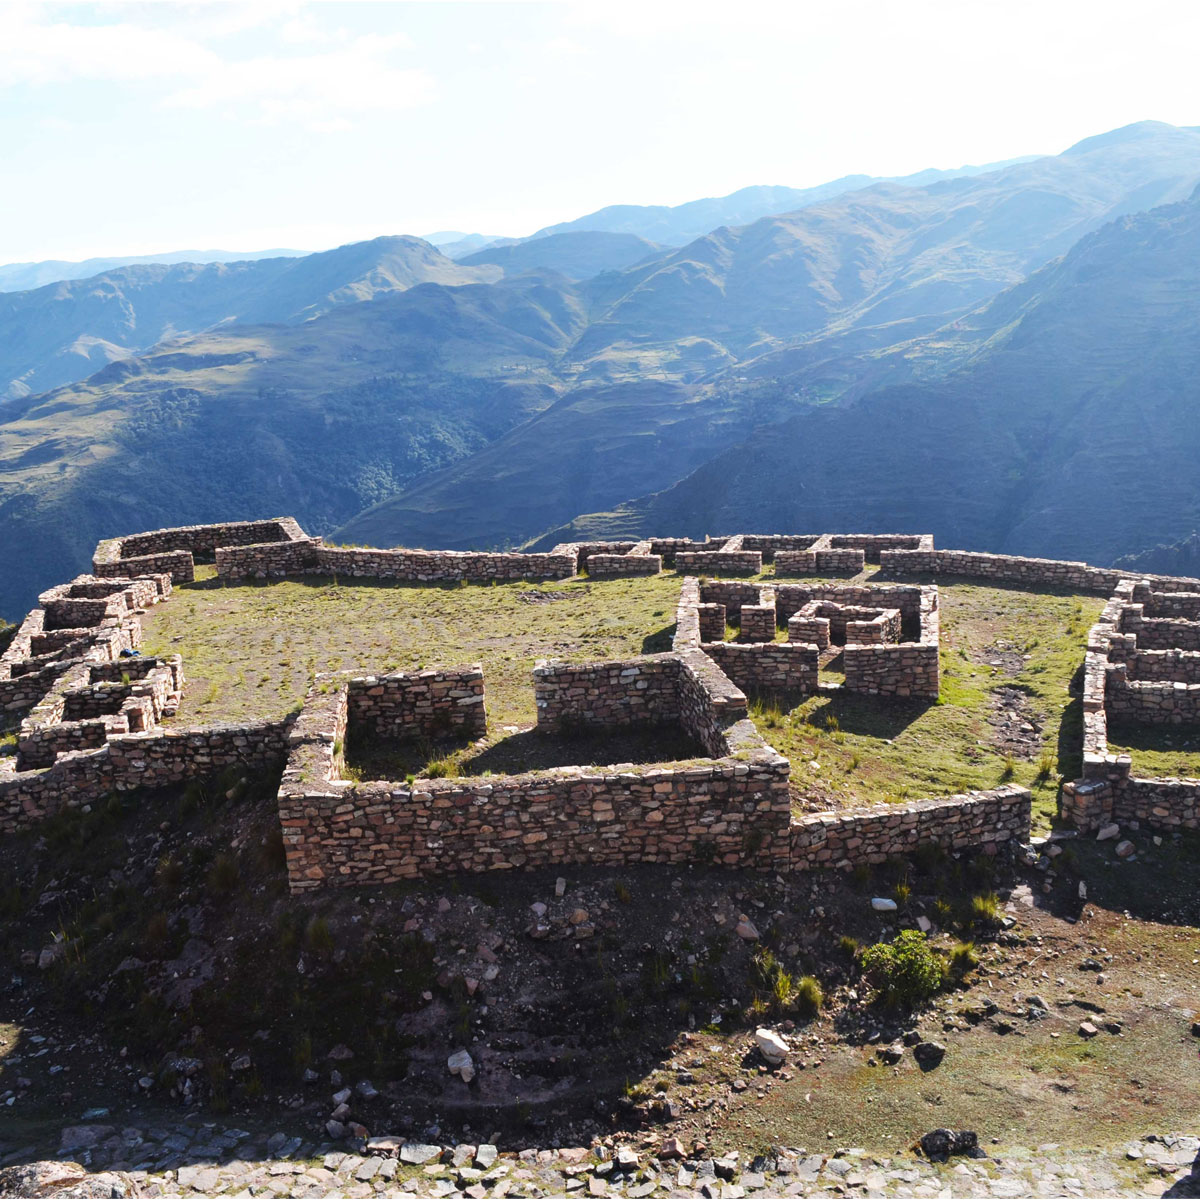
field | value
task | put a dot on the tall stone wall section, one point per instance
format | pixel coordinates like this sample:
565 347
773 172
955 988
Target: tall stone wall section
408 704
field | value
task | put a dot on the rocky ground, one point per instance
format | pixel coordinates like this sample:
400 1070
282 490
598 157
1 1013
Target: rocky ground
195 1157
172 1021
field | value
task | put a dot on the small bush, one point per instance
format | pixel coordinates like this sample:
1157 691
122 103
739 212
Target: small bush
963 959
985 910
1010 769
1046 765
157 931
848 946
318 937
223 876
808 997
623 894
905 971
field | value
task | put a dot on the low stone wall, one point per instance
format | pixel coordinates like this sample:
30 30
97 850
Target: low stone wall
976 820
909 669
1151 703
732 810
735 562
668 548
132 761
819 562
408 704
1165 804
266 560
434 566
1175 666
770 544
731 594
790 598
177 564
617 566
874 544
1159 633
768 666
1181 605
1003 568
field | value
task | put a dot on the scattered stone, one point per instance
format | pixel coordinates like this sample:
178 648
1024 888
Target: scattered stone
883 904
745 929
1108 832
929 1054
892 1054
461 1064
1125 848
485 1156
340 1053
771 1046
1087 1029
418 1153
939 1144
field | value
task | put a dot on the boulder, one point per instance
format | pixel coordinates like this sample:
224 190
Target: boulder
938 1144
461 1064
771 1046
883 904
929 1054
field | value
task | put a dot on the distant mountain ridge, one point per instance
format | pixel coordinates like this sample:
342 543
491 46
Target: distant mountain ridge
65 331
23 277
761 367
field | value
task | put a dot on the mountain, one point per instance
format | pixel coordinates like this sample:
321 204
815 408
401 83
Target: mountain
676 225
320 419
580 255
22 277
812 350
757 323
457 245
1068 426
65 331
1177 558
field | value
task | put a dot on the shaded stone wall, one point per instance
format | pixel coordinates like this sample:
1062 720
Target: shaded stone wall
433 566
409 704
976 820
616 566
737 562
130 761
768 666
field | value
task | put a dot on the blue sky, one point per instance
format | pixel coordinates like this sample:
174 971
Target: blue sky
131 128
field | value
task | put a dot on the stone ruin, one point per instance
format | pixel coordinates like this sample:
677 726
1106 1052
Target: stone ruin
885 636
94 718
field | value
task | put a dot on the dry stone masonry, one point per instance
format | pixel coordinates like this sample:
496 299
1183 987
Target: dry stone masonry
89 710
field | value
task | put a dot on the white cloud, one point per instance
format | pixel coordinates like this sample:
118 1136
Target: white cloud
299 71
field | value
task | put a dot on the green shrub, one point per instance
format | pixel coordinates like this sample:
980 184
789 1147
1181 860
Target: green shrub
904 971
963 959
985 910
223 876
808 997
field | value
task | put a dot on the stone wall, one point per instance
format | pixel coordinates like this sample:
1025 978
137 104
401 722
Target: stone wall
819 562
909 669
768 666
1159 633
731 810
408 704
758 620
131 761
1002 568
433 566
617 566
976 820
735 562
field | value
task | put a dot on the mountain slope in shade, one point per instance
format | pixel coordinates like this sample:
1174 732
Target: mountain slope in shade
577 255
66 331
1072 429
23 277
320 419
841 281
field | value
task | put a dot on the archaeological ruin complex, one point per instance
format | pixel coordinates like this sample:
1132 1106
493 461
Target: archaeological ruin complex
756 613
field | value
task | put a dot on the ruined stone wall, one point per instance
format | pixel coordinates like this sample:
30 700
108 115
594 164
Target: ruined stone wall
725 813
735 562
1003 568
1159 633
407 704
758 620
825 561
611 695
668 548
976 820
1175 666
433 566
790 598
873 544
909 669
131 761
731 594
768 666
268 560
770 544
617 566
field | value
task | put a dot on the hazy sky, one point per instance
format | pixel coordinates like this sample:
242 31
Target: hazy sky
141 127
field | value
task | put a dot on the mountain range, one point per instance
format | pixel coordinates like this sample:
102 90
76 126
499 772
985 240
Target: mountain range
1002 358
